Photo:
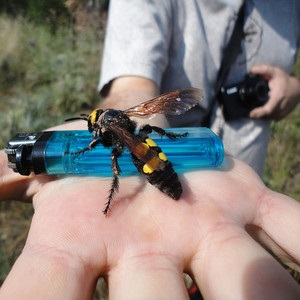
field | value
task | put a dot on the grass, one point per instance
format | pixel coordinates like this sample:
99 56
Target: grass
282 170
46 78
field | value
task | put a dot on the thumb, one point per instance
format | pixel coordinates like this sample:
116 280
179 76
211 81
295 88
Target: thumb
266 72
260 112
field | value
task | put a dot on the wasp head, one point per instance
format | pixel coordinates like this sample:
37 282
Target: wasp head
93 119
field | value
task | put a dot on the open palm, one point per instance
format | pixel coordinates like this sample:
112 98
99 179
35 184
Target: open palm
215 233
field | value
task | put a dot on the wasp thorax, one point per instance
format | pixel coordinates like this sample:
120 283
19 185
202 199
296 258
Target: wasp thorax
119 118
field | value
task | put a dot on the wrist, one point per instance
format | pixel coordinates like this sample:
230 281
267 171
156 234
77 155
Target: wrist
294 88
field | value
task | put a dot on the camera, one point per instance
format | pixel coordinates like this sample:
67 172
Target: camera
239 99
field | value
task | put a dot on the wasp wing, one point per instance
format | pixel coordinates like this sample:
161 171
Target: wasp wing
173 103
138 147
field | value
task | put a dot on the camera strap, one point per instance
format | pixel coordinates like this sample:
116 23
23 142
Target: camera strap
230 53
231 50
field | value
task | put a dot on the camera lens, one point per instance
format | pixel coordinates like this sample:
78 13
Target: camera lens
262 91
254 92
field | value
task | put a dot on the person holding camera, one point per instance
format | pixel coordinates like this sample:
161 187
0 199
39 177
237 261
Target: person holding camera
241 54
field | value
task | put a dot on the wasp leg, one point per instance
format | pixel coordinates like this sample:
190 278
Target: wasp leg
147 129
92 145
115 153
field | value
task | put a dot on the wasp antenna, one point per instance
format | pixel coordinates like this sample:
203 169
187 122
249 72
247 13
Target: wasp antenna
76 118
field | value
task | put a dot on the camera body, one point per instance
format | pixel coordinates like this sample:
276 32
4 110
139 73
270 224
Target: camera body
239 99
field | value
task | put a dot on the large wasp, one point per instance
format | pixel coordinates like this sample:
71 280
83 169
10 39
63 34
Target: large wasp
114 129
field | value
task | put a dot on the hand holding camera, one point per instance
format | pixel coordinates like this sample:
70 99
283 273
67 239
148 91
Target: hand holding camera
284 93
267 92
239 99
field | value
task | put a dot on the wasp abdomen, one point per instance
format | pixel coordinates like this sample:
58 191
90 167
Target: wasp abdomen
167 181
163 177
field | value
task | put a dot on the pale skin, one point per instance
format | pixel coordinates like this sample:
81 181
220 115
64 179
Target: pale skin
148 239
284 93
218 232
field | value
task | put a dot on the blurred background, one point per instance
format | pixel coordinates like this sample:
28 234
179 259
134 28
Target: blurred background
50 57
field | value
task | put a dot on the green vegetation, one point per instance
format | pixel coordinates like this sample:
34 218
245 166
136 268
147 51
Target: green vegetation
47 76
282 171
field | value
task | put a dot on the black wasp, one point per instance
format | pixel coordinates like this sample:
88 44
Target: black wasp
114 128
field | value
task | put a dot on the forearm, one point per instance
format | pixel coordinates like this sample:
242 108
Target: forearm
128 91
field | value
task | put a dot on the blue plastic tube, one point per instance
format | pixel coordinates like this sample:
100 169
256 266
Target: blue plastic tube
201 149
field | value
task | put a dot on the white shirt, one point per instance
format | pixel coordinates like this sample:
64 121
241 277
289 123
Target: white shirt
179 43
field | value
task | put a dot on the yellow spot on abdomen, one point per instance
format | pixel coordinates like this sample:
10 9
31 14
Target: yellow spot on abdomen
147 169
162 156
150 142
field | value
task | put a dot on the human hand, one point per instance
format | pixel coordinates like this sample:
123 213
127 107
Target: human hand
284 93
215 233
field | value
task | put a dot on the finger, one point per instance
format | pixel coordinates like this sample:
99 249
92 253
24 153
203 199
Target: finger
263 238
234 266
48 274
279 215
12 185
266 72
272 108
263 111
148 277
